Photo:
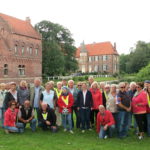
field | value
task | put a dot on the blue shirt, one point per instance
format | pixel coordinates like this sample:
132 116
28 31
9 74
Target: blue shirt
36 97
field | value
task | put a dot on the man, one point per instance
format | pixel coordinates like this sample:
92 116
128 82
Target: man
47 118
124 107
84 105
91 80
105 123
35 93
26 115
74 91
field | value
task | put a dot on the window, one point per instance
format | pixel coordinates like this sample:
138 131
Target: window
36 51
105 57
27 49
21 69
90 68
96 58
30 50
105 67
96 68
22 49
90 59
16 49
5 69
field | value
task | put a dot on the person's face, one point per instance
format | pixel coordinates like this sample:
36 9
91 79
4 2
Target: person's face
37 83
84 86
94 86
59 86
26 104
79 86
107 89
64 82
3 86
13 87
113 89
48 87
122 88
71 84
138 87
44 107
133 87
102 110
13 106
23 84
91 80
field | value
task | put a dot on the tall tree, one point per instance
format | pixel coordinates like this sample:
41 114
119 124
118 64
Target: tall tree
57 38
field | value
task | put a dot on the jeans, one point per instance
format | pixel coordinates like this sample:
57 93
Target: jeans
108 132
148 124
77 114
123 122
85 118
115 115
93 116
18 129
32 124
45 127
2 116
67 121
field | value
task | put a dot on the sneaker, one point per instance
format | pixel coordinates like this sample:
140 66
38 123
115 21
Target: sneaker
6 131
140 137
71 132
83 131
105 137
65 130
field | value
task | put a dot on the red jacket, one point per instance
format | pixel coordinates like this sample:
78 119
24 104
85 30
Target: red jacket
141 99
106 119
97 98
10 117
62 104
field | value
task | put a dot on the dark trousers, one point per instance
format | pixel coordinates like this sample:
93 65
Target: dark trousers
85 118
45 127
78 119
141 121
93 116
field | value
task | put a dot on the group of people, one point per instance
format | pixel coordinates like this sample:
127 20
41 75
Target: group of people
109 108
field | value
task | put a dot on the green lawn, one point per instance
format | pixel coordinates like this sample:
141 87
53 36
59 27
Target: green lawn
45 140
100 79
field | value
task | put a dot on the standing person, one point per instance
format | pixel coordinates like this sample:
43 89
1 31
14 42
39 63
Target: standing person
47 118
12 94
35 93
26 115
97 100
111 103
102 86
65 103
23 92
139 107
105 94
2 97
10 118
84 105
47 96
64 82
74 91
79 86
146 84
124 108
105 123
90 80
58 93
148 111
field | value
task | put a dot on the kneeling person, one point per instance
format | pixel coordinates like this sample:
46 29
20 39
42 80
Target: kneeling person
105 123
47 118
26 115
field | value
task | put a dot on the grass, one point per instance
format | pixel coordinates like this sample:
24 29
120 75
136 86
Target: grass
100 79
45 140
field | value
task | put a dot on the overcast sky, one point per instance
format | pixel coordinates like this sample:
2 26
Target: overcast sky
121 21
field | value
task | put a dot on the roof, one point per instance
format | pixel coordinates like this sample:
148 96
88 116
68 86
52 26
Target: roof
20 27
95 49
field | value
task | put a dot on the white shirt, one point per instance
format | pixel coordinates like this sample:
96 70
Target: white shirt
84 96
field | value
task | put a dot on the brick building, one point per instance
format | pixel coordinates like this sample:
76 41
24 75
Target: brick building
98 57
20 50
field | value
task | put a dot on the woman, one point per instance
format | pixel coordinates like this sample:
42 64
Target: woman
2 97
10 118
97 100
23 92
139 106
65 103
148 111
12 94
48 95
105 94
111 102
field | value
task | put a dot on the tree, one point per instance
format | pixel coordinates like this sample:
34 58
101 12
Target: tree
57 41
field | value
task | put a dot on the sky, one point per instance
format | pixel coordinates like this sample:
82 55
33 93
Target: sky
122 21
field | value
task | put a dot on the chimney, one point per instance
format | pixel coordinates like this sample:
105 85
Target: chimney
115 46
28 20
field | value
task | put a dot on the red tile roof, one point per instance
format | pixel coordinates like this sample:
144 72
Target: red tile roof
20 27
95 49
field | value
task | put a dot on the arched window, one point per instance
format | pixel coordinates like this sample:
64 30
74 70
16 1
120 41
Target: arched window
16 48
5 69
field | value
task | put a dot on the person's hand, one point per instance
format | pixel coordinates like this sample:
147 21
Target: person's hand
128 109
78 108
105 127
48 123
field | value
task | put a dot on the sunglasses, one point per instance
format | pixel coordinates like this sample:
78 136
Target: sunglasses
13 104
138 87
79 85
122 87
